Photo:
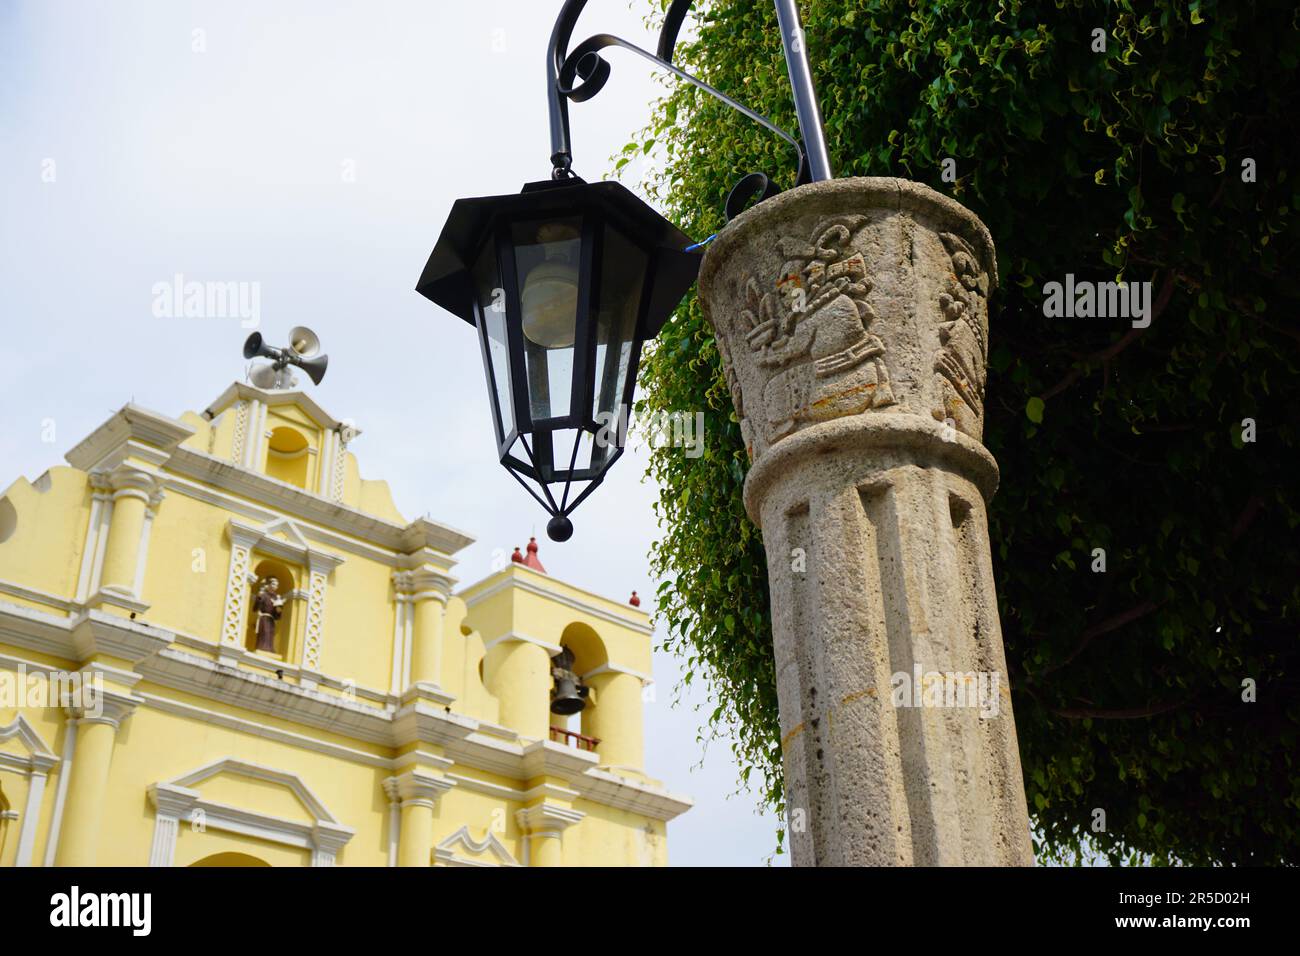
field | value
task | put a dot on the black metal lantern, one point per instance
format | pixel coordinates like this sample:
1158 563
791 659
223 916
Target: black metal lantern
564 283
566 280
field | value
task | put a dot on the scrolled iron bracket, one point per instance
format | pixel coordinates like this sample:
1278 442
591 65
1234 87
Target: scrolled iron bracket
579 75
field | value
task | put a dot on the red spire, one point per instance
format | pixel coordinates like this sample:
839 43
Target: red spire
634 600
531 561
517 558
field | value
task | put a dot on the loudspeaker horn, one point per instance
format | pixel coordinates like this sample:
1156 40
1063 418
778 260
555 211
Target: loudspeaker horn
314 367
254 346
304 341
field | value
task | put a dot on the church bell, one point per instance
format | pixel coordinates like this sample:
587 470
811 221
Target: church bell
569 693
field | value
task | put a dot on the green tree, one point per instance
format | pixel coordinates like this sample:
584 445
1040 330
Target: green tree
1166 157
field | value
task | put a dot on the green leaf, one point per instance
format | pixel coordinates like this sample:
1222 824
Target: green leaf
1034 409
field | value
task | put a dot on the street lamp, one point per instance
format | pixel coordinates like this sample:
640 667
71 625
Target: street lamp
565 280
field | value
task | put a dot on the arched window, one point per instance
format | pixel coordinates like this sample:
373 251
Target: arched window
271 592
287 458
589 654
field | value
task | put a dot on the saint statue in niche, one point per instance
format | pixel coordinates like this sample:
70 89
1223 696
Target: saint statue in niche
267 606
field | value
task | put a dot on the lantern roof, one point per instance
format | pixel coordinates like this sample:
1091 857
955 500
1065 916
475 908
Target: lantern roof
446 277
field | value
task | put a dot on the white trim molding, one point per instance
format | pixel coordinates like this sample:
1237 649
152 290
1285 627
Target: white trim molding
325 836
444 854
245 540
35 766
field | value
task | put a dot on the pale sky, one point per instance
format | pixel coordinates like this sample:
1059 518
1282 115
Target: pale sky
314 148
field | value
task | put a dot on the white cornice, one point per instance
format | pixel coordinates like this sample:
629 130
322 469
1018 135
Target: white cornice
298 502
468 742
235 686
32 594
534 582
600 786
547 818
545 758
294 549
179 798
445 852
238 391
341 541
131 429
96 632
39 759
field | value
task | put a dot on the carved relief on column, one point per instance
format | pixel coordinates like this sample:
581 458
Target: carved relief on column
962 360
879 310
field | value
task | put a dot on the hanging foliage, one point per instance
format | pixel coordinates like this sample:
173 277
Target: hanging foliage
1148 142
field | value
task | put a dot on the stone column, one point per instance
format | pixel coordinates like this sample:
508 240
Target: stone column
96 735
852 319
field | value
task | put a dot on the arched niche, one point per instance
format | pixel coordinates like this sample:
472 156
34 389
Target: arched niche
287 457
288 579
589 651
230 859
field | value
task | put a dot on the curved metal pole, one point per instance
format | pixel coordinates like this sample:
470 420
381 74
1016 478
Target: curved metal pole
556 53
585 63
570 71
796 62
805 94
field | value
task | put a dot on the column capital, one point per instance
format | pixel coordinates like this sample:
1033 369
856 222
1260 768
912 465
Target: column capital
110 707
547 819
423 584
126 480
329 840
418 788
170 800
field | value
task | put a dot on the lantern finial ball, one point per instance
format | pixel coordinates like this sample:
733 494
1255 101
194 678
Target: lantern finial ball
559 528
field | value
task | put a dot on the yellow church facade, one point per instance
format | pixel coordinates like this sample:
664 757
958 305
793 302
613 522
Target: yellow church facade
163 704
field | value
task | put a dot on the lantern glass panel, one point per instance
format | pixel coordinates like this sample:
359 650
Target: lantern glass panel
490 301
623 273
547 269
